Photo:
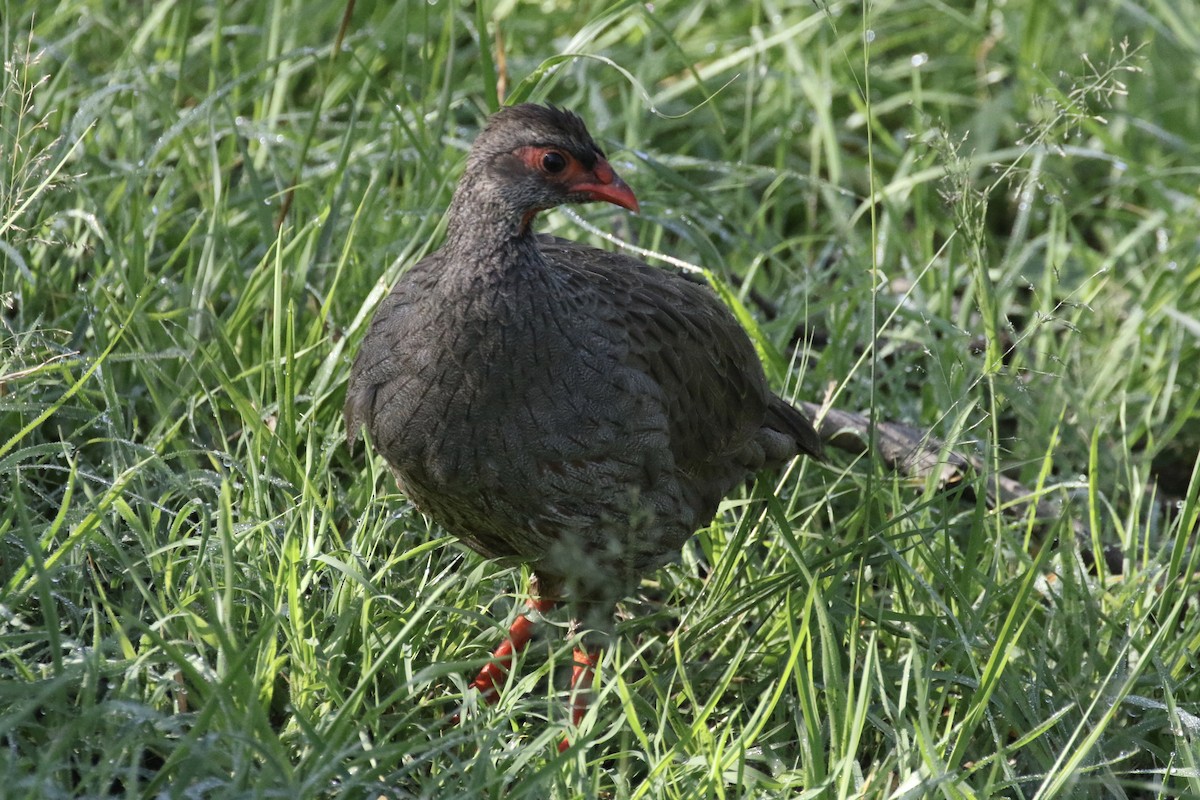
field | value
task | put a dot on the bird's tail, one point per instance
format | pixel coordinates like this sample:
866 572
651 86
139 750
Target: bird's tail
782 416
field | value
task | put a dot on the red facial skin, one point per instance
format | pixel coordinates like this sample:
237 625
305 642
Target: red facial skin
600 183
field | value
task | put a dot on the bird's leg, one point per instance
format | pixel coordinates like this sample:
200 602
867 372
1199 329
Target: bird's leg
582 675
492 677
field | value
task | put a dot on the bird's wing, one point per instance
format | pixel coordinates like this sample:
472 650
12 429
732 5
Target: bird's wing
682 337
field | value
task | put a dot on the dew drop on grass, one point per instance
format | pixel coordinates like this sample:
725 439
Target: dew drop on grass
869 36
920 59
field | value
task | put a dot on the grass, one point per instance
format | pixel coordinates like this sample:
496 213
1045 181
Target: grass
976 219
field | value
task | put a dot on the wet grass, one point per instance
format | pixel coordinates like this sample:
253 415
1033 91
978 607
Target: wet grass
979 220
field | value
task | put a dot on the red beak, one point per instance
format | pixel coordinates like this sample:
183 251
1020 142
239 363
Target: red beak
606 185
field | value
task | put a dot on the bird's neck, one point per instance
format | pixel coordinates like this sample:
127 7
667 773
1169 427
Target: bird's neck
492 273
484 234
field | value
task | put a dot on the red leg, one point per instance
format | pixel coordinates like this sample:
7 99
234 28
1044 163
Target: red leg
492 677
582 676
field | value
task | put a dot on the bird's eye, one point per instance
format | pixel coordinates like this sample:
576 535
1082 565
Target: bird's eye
554 161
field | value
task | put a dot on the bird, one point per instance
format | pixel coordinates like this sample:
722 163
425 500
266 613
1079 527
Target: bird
558 405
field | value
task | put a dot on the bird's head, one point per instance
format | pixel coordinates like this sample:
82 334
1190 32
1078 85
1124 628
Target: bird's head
531 158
